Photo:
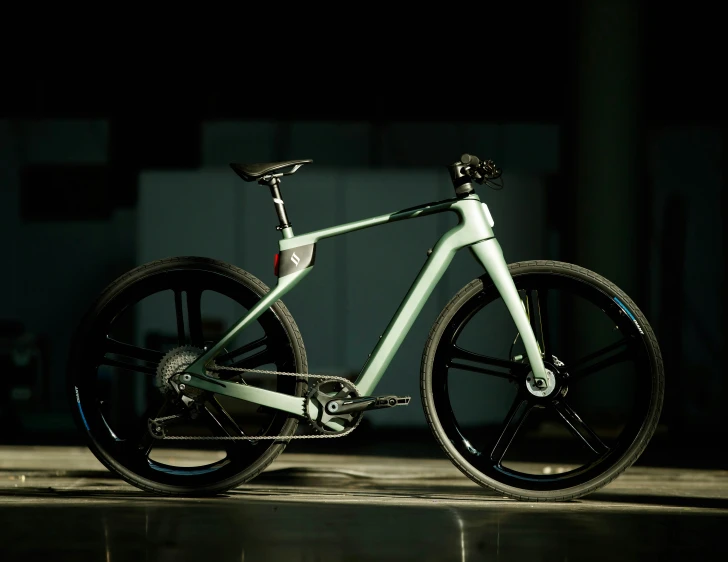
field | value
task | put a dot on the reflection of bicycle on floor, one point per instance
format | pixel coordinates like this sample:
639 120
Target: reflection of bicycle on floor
243 394
165 534
282 531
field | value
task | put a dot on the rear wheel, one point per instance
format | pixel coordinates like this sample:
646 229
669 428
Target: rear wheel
603 402
154 321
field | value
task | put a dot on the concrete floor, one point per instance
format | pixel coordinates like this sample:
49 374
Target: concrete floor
60 502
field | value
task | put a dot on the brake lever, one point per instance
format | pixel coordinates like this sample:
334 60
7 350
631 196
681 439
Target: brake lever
490 171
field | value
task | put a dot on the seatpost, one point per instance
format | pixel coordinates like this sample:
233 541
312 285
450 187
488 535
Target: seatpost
274 184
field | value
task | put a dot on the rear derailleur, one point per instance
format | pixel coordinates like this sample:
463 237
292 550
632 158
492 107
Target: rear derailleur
189 410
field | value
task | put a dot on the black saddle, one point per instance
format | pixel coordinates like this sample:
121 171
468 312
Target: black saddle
251 172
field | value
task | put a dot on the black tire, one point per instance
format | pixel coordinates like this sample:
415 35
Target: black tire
121 449
479 454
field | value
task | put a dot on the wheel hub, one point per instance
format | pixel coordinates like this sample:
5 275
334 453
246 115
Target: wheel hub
541 392
174 362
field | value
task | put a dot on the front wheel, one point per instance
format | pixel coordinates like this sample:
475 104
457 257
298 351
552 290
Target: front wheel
601 406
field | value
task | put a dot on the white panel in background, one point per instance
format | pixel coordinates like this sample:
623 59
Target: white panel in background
381 264
245 142
186 213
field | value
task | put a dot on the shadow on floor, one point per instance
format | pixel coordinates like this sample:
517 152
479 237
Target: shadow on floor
325 484
659 500
679 451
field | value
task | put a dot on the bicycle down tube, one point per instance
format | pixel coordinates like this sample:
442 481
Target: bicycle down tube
473 230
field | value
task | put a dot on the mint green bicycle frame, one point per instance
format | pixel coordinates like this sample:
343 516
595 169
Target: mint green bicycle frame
474 230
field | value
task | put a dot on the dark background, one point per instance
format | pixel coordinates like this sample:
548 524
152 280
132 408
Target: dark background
614 111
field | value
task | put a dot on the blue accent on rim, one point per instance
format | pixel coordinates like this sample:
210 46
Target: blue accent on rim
621 305
80 411
83 418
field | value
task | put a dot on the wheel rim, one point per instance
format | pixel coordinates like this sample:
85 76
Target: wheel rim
125 438
486 451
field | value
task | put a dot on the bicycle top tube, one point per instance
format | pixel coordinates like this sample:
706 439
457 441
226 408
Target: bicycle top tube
295 241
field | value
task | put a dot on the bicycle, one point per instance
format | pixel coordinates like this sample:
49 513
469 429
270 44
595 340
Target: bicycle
211 391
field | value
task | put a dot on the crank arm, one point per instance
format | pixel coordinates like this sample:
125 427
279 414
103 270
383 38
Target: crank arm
348 406
365 403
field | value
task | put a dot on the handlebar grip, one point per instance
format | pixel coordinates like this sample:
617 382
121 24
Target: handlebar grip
469 160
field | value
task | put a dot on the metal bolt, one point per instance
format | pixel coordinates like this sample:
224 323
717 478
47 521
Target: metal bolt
182 387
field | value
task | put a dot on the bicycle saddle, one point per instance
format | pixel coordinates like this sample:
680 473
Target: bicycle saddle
251 172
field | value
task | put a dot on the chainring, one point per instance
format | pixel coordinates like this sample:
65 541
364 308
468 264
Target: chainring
325 391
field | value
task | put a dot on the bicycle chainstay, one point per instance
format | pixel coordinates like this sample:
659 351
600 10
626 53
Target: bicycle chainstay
215 367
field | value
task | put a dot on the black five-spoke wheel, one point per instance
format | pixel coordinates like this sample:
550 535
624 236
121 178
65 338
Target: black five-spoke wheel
117 382
590 423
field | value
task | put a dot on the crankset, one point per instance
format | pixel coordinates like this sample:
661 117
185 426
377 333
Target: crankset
336 412
339 408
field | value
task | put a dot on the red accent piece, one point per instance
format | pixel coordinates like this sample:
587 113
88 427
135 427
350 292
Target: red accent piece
275 265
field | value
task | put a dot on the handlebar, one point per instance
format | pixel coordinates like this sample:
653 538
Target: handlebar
479 171
469 160
470 169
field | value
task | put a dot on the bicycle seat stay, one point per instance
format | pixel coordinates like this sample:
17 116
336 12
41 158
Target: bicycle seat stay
252 172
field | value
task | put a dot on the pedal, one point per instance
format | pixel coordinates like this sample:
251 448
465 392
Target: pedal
389 402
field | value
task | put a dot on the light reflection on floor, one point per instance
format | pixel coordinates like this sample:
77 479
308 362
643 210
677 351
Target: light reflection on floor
336 508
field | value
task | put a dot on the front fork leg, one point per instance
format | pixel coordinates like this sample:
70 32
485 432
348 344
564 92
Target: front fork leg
489 253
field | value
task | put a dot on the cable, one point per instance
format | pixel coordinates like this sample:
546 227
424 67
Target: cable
495 186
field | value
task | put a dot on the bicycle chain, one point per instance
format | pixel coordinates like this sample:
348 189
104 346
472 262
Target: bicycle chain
214 367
